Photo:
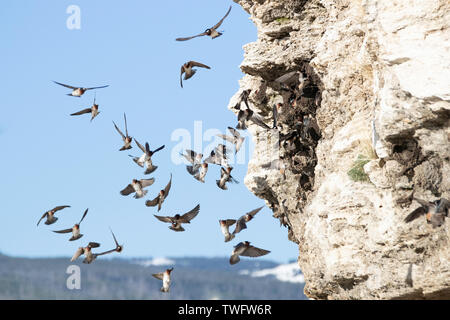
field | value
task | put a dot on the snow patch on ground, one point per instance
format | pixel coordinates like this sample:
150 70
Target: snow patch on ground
284 272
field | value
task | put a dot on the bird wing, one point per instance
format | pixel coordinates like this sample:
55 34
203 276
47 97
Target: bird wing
147 182
167 188
139 145
160 148
234 132
118 130
87 110
78 253
286 78
159 276
63 231
93 244
59 208
275 164
114 237
84 215
66 85
240 225
97 87
189 38
188 216
190 156
212 158
221 20
254 212
181 75
275 115
105 252
152 203
424 203
444 206
225 137
415 214
233 180
193 170
128 190
43 216
230 222
163 219
252 251
126 127
198 64
257 119
222 172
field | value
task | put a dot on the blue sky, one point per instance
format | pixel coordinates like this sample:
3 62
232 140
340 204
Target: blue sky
50 158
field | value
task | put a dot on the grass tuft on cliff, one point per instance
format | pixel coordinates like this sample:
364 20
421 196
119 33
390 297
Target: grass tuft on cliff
356 173
282 20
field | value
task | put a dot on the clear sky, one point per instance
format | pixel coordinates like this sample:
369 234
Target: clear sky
50 158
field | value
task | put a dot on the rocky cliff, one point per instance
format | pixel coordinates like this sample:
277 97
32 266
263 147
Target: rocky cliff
368 129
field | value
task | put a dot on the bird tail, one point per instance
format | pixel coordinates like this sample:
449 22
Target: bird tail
241 126
223 187
150 170
144 192
229 237
234 259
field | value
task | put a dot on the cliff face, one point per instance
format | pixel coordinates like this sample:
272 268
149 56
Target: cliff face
377 83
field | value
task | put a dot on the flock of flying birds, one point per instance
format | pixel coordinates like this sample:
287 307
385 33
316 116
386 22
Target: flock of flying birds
435 212
197 168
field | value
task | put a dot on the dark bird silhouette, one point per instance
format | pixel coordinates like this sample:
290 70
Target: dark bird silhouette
211 32
435 212
162 195
50 215
189 71
247 250
75 229
177 219
78 91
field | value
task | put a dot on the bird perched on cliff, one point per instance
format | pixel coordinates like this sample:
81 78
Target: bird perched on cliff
177 219
218 156
126 138
137 187
311 128
282 216
246 115
243 97
78 91
146 158
235 139
50 215
225 176
188 70
241 223
247 250
435 212
211 32
277 164
224 227
75 229
92 110
165 277
162 195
